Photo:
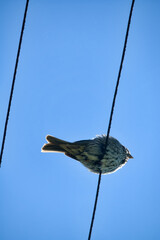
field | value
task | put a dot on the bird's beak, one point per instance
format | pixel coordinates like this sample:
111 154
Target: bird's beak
129 155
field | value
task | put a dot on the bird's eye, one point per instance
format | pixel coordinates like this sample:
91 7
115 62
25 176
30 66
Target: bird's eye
123 161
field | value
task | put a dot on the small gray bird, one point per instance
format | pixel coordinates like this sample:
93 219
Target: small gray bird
93 153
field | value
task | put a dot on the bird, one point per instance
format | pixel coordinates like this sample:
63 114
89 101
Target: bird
93 153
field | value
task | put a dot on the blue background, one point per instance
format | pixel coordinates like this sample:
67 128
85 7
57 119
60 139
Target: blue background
68 66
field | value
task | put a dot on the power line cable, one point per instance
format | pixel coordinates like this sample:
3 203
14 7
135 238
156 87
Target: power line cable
13 82
111 115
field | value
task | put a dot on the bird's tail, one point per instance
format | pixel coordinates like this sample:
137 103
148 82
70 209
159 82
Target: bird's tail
54 145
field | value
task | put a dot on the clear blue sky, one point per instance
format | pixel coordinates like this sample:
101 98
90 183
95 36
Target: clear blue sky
66 76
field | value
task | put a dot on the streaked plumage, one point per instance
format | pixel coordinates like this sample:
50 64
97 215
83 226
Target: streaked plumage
92 153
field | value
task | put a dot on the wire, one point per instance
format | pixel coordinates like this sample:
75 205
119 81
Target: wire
13 83
95 204
111 114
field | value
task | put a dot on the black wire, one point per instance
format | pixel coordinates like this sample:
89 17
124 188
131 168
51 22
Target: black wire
13 82
119 73
111 114
95 204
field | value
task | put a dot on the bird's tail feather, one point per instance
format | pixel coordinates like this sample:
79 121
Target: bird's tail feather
54 145
68 148
54 140
49 147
